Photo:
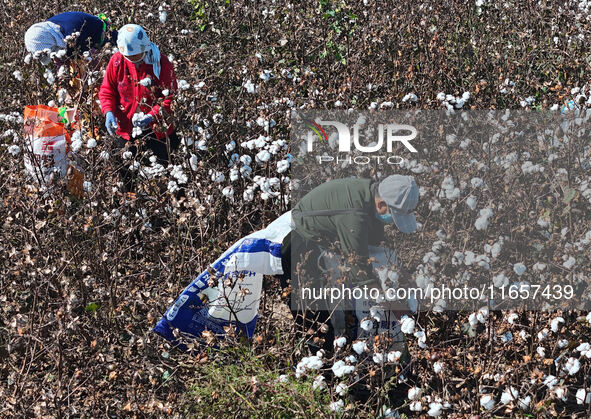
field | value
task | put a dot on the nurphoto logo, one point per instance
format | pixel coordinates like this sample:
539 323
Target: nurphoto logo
358 137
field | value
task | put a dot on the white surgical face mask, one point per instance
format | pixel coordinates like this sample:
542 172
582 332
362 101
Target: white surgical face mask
136 61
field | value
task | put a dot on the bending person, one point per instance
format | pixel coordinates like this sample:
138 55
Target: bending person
51 35
137 91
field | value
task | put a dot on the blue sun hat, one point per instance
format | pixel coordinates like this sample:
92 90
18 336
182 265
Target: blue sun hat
133 39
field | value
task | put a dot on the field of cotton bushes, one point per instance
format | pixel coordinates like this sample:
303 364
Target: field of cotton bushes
83 281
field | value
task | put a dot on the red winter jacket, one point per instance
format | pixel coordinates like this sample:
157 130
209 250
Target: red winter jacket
122 94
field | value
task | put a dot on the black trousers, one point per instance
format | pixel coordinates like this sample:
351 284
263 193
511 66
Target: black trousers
159 149
295 249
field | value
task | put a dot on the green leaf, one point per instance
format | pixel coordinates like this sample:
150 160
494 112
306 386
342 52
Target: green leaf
92 307
569 194
165 376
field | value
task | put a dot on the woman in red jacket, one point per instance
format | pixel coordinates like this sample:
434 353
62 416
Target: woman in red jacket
136 94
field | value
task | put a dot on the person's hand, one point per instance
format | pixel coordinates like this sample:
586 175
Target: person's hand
144 122
111 123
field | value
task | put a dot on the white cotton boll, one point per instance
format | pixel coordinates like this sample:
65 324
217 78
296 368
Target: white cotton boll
509 394
228 192
407 325
519 268
263 156
555 323
416 406
414 393
136 131
234 174
366 325
250 87
162 16
319 383
452 194
28 58
17 75
543 334
48 74
340 369
246 171
378 359
341 389
471 202
87 186
217 177
584 349
245 159
582 396
541 351
147 81
481 222
550 381
104 155
507 337
183 85
282 166
435 409
441 96
434 206
570 263
421 339
230 146
172 186
482 315
340 342
202 145
500 280
410 97
351 359
336 406
394 356
193 162
562 343
448 183
465 143
476 182
91 143
561 393
14 149
524 402
248 195
437 367
572 366
359 347
127 155
512 317
76 145
487 402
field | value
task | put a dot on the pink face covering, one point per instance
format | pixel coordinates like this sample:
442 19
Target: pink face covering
136 61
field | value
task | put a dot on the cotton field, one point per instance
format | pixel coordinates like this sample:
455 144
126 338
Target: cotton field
85 277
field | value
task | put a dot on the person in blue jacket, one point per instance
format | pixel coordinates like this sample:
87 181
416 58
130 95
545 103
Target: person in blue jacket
94 33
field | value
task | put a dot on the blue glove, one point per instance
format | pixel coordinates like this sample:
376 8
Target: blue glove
144 122
111 123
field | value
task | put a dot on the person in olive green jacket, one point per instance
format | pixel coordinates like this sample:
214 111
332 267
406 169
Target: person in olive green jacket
352 212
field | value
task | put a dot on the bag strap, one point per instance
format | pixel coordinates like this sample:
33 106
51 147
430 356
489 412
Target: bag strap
327 212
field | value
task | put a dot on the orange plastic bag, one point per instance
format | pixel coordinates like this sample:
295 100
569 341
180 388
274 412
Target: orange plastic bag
49 144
